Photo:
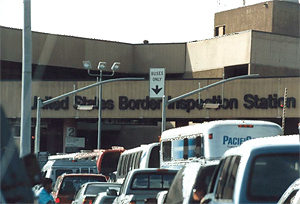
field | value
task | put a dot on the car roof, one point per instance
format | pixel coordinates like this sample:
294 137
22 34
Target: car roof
260 143
81 174
154 170
103 183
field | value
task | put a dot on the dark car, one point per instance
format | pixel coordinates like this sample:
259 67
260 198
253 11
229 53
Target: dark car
67 185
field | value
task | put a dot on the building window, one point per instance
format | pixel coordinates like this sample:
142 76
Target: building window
220 30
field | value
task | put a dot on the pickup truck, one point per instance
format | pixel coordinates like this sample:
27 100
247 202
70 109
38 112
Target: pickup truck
141 185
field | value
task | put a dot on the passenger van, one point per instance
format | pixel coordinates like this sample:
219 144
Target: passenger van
105 159
209 140
144 156
54 168
259 171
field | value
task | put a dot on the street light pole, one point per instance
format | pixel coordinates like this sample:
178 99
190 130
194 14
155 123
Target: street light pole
25 126
166 102
47 102
99 111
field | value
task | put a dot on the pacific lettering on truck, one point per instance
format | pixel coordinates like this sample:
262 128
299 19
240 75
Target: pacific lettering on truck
234 141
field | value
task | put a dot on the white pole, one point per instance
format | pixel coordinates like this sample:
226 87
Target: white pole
25 126
38 126
99 112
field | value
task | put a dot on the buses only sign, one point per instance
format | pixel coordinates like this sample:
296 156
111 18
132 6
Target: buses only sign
157 82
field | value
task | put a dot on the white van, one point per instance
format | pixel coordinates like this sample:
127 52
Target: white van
144 156
54 168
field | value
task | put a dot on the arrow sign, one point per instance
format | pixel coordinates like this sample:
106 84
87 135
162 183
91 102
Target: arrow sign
157 82
157 90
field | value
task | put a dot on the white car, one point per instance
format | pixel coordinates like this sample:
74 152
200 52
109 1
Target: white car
259 171
89 191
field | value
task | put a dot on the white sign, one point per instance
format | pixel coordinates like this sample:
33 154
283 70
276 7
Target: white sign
75 142
157 82
71 132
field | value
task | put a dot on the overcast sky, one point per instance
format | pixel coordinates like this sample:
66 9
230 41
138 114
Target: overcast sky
131 21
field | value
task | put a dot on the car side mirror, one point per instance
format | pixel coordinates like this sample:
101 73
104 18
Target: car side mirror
112 192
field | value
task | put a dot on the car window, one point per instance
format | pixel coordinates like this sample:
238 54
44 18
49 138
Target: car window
154 158
213 180
71 184
59 172
95 189
230 182
109 162
222 178
274 172
166 148
152 181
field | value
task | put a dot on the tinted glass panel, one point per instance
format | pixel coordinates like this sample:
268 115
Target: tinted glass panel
152 181
62 171
178 149
166 148
271 175
94 189
154 158
109 162
71 184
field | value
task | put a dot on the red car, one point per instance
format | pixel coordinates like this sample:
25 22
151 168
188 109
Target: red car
67 185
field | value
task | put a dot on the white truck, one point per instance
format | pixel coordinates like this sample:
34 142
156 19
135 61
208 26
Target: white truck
141 185
209 140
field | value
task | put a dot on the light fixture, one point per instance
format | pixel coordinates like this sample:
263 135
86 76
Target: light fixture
211 105
85 107
115 66
101 65
87 65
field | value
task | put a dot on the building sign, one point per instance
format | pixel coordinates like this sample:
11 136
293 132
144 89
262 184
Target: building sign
250 101
75 142
156 82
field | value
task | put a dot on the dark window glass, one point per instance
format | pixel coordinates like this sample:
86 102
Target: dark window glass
152 181
202 180
222 178
166 148
214 177
229 186
271 175
154 158
71 184
109 162
59 172
95 189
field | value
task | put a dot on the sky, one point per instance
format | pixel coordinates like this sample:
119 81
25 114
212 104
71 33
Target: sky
130 21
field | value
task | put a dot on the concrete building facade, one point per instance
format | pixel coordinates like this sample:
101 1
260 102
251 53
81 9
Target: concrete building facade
258 39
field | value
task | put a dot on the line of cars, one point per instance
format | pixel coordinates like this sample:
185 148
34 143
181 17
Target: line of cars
251 173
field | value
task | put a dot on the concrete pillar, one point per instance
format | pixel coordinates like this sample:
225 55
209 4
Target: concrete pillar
69 130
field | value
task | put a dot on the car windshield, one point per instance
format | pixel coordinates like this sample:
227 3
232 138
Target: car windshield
152 181
271 175
71 184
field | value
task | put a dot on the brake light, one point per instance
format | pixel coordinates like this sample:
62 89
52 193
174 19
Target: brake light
57 200
210 136
132 202
245 126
